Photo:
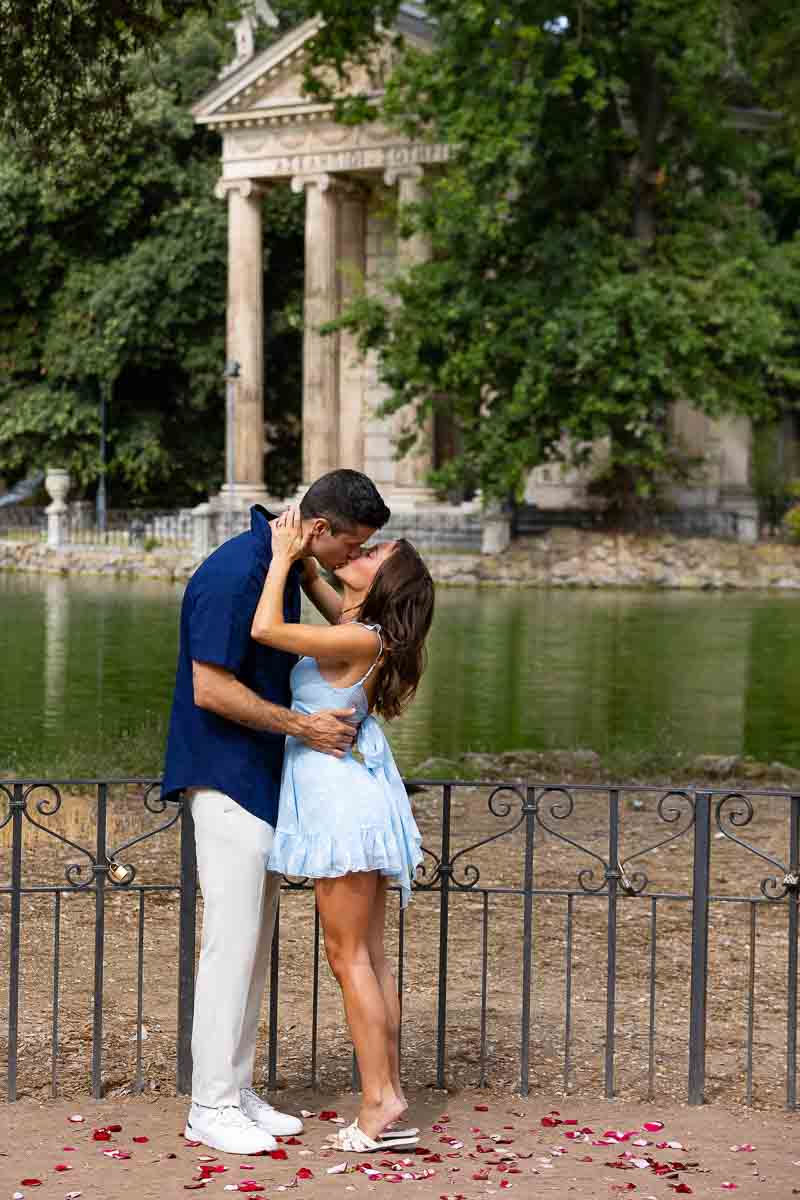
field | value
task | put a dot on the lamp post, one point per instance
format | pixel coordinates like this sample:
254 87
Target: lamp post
106 388
230 375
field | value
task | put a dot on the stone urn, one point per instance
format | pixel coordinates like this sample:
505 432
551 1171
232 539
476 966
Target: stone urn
57 482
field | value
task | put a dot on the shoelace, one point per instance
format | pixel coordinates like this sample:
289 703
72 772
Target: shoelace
231 1115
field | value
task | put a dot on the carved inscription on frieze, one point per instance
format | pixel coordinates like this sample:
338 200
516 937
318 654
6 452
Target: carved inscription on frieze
367 158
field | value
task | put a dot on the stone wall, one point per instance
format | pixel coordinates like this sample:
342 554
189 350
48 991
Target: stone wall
560 558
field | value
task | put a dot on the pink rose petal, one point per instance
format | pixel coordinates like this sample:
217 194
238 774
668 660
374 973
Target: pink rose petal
653 1126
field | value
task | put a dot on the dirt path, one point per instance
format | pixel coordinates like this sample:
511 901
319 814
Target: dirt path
474 1145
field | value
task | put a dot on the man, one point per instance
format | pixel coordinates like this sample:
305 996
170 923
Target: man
225 751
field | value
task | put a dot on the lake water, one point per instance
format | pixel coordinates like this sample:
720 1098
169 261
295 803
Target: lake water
88 667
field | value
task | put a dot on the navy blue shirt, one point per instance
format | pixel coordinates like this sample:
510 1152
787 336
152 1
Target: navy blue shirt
205 750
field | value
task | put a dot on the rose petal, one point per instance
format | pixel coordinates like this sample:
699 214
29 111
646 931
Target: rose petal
62 1167
30 1183
304 1173
141 1139
729 1187
101 1135
481 1108
193 1187
278 1154
683 1188
66 1149
76 1118
328 1114
339 1169
653 1126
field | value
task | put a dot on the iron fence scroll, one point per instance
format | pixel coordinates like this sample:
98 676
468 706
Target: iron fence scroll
643 861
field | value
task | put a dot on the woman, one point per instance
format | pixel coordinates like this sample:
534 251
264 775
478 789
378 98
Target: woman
346 822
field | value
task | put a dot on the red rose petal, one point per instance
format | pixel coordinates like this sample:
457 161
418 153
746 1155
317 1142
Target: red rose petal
101 1135
304 1173
67 1149
653 1126
141 1139
328 1114
250 1185
481 1108
62 1167
114 1128
279 1154
292 1141
729 1187
683 1188
30 1183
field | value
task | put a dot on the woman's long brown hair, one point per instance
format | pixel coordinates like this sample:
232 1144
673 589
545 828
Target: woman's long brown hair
400 600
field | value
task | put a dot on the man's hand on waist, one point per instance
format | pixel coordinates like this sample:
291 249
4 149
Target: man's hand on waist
328 731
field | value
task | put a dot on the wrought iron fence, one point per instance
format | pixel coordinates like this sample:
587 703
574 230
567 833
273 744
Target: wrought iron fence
23 522
562 936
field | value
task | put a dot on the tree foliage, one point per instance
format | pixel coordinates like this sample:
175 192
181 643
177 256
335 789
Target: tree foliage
599 247
114 278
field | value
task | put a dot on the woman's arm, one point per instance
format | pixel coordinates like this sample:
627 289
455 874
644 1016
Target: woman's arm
325 598
339 643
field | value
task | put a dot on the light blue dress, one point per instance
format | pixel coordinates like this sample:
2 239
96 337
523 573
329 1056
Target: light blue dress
339 815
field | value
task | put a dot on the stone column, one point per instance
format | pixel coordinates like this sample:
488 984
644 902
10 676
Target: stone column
244 451
352 273
411 471
320 351
735 435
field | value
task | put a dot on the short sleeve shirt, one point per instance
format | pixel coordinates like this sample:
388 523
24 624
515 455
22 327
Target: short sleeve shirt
205 750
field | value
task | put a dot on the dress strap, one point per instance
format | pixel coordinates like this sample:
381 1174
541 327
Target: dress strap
375 629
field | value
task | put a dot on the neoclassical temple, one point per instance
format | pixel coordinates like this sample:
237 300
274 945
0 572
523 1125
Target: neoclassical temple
274 136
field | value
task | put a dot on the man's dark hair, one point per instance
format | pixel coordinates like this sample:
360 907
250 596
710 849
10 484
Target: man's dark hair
345 499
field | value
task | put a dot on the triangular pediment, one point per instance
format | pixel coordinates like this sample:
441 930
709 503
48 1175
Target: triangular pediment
271 83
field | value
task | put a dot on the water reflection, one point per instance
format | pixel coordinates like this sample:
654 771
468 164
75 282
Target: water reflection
90 662
56 618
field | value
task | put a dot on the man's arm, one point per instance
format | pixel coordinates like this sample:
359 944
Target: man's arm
219 691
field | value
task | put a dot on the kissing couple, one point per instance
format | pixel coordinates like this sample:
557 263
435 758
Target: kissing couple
266 713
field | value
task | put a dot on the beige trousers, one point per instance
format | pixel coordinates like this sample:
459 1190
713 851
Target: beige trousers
240 900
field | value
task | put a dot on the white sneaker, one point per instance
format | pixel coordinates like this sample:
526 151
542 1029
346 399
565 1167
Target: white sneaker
266 1117
227 1129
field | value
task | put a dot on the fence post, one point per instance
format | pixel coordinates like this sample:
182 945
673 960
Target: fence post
17 809
700 885
187 937
99 940
201 530
496 531
445 870
529 809
791 964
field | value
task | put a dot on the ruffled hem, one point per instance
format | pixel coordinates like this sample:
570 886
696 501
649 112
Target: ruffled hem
320 856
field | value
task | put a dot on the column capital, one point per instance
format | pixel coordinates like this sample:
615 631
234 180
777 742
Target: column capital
412 171
326 182
245 187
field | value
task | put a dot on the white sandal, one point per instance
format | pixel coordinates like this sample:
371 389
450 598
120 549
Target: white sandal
355 1141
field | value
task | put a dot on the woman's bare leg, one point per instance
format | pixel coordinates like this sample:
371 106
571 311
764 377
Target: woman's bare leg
385 977
345 909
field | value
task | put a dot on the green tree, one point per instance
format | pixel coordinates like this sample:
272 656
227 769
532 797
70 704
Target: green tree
599 252
115 277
